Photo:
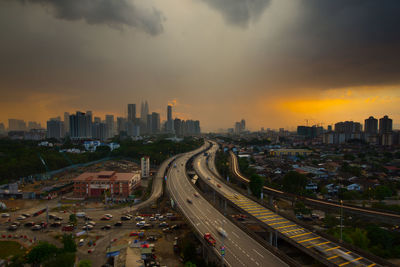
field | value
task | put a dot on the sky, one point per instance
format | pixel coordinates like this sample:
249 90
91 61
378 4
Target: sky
275 63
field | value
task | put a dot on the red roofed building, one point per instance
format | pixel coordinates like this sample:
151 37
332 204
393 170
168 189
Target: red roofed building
91 184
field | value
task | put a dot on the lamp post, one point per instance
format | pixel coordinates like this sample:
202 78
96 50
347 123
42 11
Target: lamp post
341 220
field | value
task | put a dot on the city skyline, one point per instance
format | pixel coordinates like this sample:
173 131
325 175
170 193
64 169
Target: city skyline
275 63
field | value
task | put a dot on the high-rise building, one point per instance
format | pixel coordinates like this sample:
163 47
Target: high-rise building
97 120
121 124
2 129
110 126
385 125
99 131
170 123
178 126
371 126
155 122
348 127
66 122
35 125
55 129
309 131
149 124
80 125
131 112
145 166
243 125
16 125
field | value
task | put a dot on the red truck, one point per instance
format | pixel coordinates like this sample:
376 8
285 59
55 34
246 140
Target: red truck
210 240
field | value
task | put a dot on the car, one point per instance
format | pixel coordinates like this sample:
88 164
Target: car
140 224
55 224
36 227
90 251
139 218
119 223
43 224
92 223
133 233
80 214
105 218
163 224
152 238
5 215
189 200
196 195
208 178
219 186
147 226
125 218
175 227
169 215
106 227
81 242
21 218
222 232
153 219
166 230
87 227
68 228
12 227
52 216
108 215
26 215
162 218
87 218
157 215
29 224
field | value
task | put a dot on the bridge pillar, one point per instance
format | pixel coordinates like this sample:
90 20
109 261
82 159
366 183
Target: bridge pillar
271 238
214 196
270 200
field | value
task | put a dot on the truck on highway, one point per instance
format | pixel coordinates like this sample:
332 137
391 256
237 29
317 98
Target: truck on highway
210 239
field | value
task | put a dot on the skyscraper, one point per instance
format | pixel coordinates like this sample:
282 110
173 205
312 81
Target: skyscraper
55 129
385 125
66 122
170 123
131 112
371 126
16 125
110 126
121 124
80 125
155 122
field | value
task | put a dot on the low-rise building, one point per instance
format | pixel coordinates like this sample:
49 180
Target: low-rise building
289 152
119 185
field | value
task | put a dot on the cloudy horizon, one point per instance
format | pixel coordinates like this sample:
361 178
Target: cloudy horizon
275 63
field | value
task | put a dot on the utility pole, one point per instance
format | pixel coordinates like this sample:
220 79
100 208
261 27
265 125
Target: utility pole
341 220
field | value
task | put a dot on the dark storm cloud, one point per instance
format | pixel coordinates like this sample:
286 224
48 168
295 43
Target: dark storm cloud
115 13
344 43
239 12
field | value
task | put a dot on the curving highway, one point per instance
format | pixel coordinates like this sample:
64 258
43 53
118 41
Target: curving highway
317 246
241 250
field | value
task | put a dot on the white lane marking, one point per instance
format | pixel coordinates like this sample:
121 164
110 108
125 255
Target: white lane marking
258 253
235 234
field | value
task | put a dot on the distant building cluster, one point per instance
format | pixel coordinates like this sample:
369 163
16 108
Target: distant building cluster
83 126
378 132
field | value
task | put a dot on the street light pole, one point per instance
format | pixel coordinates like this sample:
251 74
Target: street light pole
341 220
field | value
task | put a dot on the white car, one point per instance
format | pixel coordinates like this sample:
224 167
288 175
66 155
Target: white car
108 215
222 232
5 215
21 218
140 224
92 223
80 214
139 218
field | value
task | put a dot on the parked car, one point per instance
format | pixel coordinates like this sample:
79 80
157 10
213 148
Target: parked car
140 224
139 218
152 219
108 215
12 227
87 227
68 228
118 223
36 227
147 226
163 224
105 218
5 215
189 200
26 215
21 218
106 227
125 218
81 242
55 224
29 224
80 214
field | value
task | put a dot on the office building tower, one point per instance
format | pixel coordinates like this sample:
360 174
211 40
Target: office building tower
243 125
66 122
155 122
178 126
2 129
371 126
96 120
80 125
110 126
121 125
309 132
99 131
132 112
348 127
55 129
16 125
145 166
329 128
169 125
149 124
35 125
385 125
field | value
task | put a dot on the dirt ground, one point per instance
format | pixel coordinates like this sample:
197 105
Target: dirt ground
22 204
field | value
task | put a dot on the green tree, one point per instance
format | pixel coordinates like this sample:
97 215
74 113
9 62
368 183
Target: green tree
66 259
69 243
294 182
382 191
41 252
85 263
256 184
190 264
73 219
300 207
359 238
